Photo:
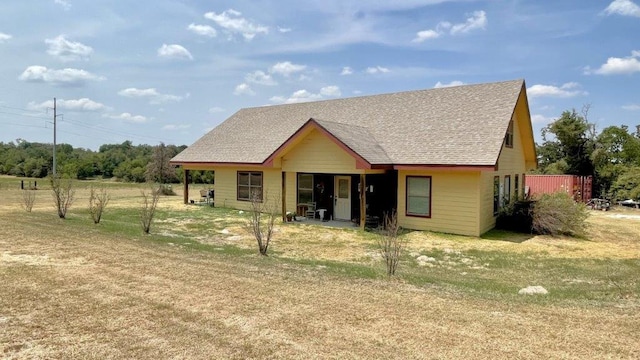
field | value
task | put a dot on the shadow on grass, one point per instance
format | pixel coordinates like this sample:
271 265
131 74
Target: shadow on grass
504 235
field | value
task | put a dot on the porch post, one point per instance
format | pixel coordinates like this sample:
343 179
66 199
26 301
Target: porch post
185 192
363 201
284 196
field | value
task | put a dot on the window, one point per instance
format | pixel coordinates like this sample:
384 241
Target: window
507 189
496 194
305 188
419 196
508 138
516 187
249 183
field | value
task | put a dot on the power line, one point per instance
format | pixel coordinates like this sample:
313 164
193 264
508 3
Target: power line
26 115
23 125
17 108
94 127
115 132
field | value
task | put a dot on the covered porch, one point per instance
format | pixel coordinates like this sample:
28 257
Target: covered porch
352 199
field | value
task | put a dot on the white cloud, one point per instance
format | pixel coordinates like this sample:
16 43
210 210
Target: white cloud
215 109
297 97
631 107
287 68
376 70
204 30
65 4
67 76
346 71
330 91
284 30
453 83
623 7
541 119
4 37
83 104
567 90
174 51
151 93
233 23
260 77
129 117
176 127
243 89
614 65
306 96
478 20
66 50
426 35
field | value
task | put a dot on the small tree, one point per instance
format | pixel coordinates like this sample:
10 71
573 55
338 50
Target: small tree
63 194
148 208
98 200
159 169
28 199
390 243
262 218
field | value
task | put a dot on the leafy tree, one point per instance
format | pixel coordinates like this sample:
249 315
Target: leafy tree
627 184
573 142
615 151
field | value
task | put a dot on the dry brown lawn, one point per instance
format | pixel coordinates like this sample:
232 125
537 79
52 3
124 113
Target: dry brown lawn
76 292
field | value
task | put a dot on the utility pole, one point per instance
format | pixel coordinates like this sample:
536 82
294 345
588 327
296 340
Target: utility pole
54 136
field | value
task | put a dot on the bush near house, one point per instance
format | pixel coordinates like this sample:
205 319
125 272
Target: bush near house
516 216
558 214
552 214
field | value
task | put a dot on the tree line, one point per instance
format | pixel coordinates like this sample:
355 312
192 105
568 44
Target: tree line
572 145
125 162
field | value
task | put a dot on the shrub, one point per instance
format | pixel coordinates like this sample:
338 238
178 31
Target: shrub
516 216
390 243
262 219
148 208
63 194
166 189
98 200
28 199
557 214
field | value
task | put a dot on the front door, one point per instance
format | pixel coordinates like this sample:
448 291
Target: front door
342 198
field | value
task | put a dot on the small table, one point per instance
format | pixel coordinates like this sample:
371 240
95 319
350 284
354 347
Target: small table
301 209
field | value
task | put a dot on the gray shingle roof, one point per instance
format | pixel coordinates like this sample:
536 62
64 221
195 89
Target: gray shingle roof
461 125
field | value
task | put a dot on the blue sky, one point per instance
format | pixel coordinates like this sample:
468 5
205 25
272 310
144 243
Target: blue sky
171 70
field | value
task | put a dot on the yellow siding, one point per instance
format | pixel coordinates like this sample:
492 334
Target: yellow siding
226 186
318 154
454 202
511 162
291 200
487 220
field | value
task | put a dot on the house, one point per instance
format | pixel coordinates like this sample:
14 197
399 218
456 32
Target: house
445 158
